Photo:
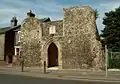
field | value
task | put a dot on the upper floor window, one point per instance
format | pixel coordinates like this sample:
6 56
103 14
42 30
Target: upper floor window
19 36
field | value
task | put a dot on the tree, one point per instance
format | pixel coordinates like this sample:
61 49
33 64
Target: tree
96 17
96 13
111 32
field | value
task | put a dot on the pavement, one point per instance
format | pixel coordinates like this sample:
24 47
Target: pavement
62 74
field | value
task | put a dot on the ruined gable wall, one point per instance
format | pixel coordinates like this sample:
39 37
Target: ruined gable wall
30 42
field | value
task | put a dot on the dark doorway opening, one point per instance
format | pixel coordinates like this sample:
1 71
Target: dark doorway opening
52 55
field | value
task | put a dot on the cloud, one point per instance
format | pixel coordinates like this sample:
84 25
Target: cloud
19 8
50 8
105 7
6 14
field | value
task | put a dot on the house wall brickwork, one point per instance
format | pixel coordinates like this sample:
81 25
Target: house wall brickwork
2 36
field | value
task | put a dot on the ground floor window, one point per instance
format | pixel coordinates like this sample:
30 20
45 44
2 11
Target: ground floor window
17 50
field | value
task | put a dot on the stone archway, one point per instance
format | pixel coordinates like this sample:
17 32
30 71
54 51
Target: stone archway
52 55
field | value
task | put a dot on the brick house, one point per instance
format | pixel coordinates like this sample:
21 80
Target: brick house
8 35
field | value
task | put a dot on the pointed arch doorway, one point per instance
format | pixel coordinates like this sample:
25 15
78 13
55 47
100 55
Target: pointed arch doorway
52 55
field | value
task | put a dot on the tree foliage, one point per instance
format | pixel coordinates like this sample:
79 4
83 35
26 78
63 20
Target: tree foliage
111 32
96 13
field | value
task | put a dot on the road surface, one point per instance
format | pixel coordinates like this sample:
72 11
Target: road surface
17 79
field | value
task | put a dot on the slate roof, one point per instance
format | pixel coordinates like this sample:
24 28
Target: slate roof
13 28
2 30
44 19
41 20
5 29
17 28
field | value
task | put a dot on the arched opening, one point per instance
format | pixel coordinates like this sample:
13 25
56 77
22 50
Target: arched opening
52 55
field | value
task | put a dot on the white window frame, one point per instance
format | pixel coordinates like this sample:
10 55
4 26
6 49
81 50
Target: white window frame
16 49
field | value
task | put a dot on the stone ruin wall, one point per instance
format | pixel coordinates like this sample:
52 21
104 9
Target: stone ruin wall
34 36
75 35
30 42
81 49
47 39
45 29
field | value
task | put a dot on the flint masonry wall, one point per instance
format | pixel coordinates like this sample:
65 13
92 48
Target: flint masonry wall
47 39
30 42
34 36
45 29
75 39
80 48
